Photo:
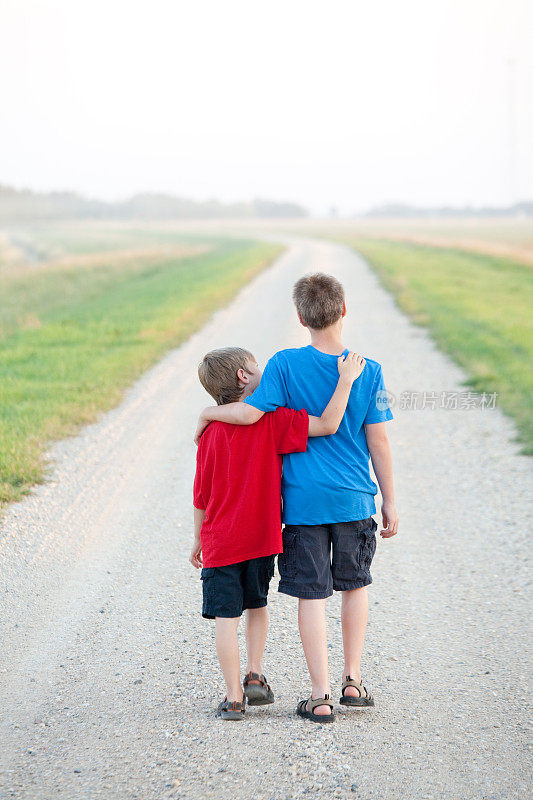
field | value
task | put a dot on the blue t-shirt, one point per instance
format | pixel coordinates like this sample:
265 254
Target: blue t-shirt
331 481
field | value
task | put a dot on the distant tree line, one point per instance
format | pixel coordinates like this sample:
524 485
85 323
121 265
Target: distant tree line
524 208
19 205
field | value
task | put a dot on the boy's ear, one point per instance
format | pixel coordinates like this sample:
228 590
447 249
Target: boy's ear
242 377
301 320
344 309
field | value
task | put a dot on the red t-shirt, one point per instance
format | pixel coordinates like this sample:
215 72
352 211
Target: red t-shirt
238 483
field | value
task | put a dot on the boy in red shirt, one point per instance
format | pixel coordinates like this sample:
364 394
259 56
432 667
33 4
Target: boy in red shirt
237 511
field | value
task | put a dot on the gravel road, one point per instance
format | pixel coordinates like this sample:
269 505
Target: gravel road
108 674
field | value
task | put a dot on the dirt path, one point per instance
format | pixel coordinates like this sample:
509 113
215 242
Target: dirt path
107 671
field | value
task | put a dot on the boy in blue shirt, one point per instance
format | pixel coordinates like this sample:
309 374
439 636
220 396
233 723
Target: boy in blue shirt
328 495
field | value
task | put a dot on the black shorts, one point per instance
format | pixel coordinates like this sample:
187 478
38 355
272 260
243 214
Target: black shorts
228 591
317 559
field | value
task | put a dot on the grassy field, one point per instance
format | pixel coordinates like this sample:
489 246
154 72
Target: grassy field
478 309
79 326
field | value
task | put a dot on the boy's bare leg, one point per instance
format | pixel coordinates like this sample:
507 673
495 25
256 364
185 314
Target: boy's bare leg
354 617
256 634
228 655
313 633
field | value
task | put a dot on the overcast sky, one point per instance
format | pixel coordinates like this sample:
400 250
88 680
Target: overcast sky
346 104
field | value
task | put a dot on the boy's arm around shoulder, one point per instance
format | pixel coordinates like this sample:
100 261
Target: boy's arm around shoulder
234 413
380 453
349 370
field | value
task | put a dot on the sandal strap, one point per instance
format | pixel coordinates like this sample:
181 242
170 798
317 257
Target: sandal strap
233 705
363 691
319 701
254 676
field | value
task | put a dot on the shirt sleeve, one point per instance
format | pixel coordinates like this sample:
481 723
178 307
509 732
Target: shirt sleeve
200 493
272 391
291 429
378 409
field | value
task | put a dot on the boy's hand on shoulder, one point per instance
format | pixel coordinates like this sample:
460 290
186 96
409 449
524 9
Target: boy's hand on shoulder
196 554
350 366
390 520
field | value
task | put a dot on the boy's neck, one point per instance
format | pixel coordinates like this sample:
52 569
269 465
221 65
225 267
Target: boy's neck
328 340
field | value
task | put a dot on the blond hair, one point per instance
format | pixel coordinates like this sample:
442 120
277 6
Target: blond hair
218 373
319 300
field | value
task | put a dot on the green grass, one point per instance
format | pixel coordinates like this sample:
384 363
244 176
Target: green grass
71 340
478 309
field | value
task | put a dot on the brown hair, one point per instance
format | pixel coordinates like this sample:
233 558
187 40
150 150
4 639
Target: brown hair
319 300
218 373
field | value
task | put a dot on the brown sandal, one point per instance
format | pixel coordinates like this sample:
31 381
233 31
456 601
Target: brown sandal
257 694
306 708
364 700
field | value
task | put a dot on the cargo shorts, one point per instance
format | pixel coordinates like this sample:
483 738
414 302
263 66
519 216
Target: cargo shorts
230 590
318 559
